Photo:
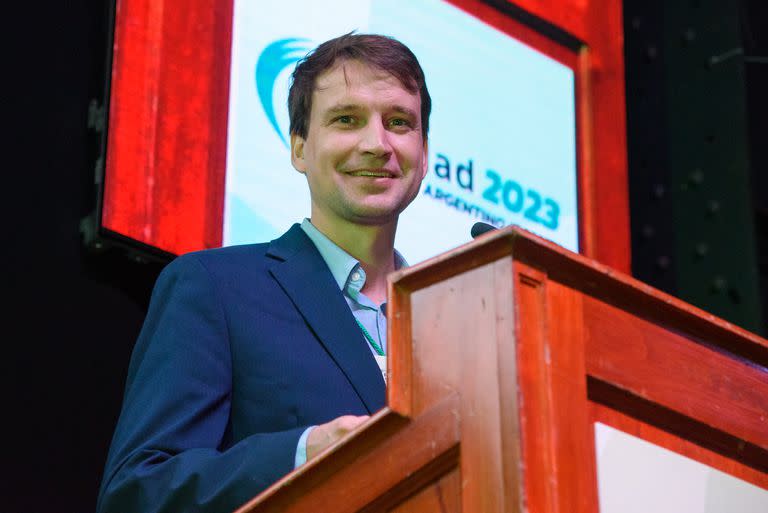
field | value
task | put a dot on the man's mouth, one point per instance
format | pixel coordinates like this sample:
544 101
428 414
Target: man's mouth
373 173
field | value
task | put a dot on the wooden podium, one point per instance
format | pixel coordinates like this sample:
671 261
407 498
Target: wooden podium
503 355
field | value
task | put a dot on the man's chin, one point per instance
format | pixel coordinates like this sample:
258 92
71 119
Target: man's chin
373 215
374 218
378 211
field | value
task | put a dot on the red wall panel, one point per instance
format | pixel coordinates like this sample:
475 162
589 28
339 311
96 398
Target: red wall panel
166 149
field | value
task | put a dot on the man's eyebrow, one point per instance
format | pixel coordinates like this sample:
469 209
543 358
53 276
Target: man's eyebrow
406 110
346 107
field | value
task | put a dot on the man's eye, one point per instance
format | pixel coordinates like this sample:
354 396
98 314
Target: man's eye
345 120
399 122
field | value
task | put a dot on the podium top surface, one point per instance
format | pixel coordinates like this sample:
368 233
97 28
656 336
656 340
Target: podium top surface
592 278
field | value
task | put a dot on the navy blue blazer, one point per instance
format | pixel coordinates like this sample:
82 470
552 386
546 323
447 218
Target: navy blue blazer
242 349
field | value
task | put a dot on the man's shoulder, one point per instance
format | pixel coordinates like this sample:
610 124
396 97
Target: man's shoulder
252 256
224 259
236 252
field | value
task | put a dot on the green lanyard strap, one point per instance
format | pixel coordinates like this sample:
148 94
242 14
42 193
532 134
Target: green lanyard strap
376 347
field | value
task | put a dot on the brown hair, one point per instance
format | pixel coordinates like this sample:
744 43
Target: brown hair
380 52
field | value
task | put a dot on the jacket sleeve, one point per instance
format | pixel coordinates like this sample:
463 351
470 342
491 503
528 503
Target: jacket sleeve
170 451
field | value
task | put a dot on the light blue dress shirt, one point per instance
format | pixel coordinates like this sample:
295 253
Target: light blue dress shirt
350 277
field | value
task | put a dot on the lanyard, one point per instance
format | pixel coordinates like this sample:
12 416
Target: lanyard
376 347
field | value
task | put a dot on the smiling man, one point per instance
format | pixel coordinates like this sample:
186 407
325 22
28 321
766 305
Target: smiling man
255 358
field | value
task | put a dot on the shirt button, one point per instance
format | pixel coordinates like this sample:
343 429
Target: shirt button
355 276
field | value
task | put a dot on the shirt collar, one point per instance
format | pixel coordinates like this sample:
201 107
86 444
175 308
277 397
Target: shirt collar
341 263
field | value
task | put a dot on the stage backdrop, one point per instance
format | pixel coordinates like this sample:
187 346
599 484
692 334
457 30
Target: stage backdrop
502 136
197 147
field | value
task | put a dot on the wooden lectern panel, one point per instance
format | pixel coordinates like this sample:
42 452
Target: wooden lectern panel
503 355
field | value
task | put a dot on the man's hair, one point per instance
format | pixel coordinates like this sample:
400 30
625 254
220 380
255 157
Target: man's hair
379 52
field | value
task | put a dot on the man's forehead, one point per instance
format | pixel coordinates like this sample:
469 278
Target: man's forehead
352 72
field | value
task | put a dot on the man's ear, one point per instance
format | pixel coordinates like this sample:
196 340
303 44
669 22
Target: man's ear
425 160
297 153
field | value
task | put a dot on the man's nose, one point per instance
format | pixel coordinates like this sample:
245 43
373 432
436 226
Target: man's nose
374 139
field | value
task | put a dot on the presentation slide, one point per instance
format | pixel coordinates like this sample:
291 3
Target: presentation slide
502 141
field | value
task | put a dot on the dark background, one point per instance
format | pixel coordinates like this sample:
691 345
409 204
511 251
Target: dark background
697 73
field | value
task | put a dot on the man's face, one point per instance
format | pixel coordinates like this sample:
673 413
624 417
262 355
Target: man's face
364 156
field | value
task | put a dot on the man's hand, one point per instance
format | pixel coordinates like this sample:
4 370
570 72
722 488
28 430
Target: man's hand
326 434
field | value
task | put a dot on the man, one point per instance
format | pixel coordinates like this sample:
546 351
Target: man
255 358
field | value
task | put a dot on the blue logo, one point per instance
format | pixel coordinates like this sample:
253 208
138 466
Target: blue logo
273 60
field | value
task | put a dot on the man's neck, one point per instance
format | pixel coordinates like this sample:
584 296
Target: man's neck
371 245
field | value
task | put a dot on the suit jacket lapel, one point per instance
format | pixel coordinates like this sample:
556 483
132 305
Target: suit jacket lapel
305 277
